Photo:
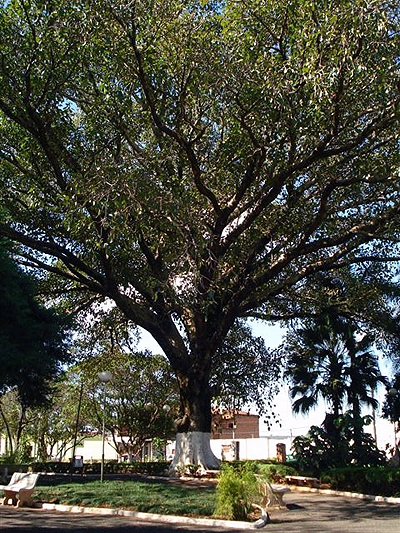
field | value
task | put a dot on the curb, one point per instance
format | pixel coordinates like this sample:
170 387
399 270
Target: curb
169 519
185 520
356 495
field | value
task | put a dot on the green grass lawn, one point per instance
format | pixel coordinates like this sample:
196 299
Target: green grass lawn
154 497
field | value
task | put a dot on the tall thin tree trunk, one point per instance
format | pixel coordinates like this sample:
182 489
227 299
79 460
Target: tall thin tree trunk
20 426
9 440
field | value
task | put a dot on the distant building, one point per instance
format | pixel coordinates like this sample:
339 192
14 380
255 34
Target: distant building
234 425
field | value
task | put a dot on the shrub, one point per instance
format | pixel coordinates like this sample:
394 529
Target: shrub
275 472
320 449
156 468
376 480
237 489
191 470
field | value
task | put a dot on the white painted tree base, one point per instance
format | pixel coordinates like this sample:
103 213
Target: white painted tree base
194 448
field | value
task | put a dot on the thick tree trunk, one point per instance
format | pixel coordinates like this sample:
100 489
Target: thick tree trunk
194 425
193 447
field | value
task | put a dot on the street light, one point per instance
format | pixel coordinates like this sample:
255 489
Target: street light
73 463
166 409
104 377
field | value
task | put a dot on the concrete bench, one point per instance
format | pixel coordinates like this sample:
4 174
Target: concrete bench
20 489
211 474
272 494
303 481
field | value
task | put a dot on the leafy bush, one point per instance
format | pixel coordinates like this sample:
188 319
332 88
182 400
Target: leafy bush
20 455
376 480
275 472
191 470
320 450
157 468
237 489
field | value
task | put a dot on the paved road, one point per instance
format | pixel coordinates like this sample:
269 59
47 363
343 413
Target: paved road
316 513
38 521
306 513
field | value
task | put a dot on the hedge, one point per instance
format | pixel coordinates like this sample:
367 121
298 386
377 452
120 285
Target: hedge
375 480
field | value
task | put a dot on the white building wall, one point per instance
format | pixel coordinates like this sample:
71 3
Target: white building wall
91 450
250 449
227 449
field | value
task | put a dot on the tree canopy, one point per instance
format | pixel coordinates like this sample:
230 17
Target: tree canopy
197 162
32 337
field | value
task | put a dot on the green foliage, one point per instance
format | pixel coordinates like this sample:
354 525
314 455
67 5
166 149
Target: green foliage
391 406
245 371
32 336
378 480
141 385
275 472
324 448
237 489
151 468
21 455
191 470
325 360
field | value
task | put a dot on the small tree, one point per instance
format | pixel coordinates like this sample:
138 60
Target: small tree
55 428
14 419
142 385
391 405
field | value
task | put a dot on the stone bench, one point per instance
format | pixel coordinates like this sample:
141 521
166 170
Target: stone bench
272 494
303 481
20 489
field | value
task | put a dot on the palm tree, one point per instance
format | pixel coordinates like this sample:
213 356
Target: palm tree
316 361
326 359
391 406
363 376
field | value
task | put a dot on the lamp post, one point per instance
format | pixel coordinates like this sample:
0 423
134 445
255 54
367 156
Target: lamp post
166 409
104 377
76 427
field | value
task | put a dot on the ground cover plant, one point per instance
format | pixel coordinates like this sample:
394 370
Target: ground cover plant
149 497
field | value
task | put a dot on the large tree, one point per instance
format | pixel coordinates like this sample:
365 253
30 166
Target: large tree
194 162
